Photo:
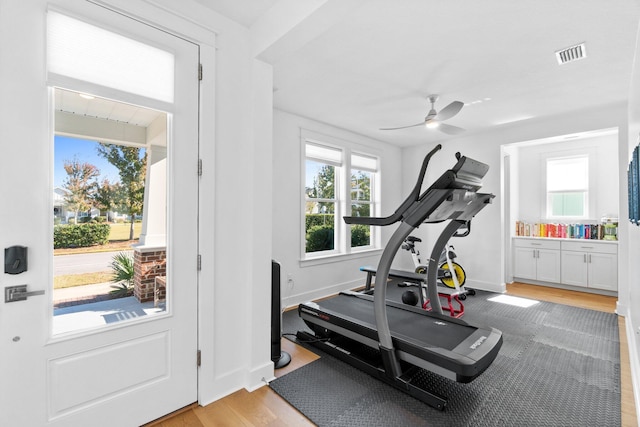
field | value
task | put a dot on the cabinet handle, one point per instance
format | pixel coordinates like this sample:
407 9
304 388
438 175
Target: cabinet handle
586 247
584 256
589 258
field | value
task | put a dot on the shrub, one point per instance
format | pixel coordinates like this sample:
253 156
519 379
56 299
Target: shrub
318 219
320 238
122 268
360 235
81 235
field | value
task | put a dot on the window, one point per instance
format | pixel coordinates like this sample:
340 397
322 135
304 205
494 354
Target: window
338 182
363 169
321 201
568 187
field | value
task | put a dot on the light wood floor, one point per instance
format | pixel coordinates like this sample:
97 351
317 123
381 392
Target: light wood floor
264 407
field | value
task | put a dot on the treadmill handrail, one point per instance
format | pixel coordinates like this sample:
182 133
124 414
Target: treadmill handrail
411 198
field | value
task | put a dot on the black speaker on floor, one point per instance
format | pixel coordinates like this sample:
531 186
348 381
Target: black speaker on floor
280 358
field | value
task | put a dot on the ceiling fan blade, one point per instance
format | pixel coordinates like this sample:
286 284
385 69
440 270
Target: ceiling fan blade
450 130
450 110
404 127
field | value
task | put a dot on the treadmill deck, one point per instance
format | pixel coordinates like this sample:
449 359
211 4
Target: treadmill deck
447 346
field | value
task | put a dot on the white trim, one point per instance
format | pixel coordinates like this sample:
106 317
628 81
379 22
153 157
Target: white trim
339 257
165 15
293 300
591 203
342 193
634 361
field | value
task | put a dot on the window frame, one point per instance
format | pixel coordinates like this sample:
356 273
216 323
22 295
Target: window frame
373 201
342 194
589 153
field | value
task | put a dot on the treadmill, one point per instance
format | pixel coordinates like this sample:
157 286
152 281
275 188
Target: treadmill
397 343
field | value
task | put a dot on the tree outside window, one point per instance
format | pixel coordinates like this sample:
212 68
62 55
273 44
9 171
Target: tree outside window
360 206
320 190
330 194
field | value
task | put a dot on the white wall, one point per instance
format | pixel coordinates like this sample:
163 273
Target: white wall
629 296
482 252
530 193
313 281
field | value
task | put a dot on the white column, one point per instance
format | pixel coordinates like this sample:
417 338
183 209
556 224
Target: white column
154 218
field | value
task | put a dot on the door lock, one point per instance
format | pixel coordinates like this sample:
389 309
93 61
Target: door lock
19 293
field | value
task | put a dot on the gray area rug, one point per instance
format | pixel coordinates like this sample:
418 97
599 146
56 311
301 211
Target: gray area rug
558 366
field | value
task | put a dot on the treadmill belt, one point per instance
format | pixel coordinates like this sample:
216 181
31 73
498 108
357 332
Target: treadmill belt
429 331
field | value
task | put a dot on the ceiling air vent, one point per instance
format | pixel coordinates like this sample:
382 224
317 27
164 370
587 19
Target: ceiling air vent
571 54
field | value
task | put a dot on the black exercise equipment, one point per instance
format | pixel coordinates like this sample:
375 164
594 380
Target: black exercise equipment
396 342
279 358
419 280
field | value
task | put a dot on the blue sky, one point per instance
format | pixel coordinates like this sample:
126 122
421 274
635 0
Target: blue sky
66 148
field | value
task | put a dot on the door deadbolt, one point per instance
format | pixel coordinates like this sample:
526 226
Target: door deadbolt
19 293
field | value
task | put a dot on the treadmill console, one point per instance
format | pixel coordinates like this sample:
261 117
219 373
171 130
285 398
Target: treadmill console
469 173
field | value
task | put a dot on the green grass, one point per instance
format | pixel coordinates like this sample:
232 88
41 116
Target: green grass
71 280
121 231
118 241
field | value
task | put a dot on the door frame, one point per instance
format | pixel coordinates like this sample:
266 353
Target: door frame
206 132
182 25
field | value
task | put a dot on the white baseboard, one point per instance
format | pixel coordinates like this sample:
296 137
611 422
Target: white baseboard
260 376
634 361
486 286
294 300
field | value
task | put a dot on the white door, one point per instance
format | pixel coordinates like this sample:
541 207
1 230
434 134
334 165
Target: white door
574 268
603 271
548 265
126 373
524 263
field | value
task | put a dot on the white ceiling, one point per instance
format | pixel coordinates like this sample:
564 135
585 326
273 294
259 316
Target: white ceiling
244 12
374 64
72 102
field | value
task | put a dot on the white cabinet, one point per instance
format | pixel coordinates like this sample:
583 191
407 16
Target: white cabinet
537 259
590 264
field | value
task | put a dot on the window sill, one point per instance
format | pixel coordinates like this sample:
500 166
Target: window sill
328 259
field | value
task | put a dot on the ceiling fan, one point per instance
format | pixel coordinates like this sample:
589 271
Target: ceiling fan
434 118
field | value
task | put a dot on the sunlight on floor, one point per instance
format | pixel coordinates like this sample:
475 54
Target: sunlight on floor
517 301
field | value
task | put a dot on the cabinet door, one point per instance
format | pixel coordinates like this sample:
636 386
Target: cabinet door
524 263
603 271
548 265
574 268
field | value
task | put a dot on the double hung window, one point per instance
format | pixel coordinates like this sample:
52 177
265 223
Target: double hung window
568 187
337 182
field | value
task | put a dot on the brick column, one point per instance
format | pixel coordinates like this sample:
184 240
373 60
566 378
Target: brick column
148 263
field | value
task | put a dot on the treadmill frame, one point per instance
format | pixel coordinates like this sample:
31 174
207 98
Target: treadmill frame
459 202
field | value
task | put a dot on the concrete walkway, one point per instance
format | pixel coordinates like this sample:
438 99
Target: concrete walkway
93 315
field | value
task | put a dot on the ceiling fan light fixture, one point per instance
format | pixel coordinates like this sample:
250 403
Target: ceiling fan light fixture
432 125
